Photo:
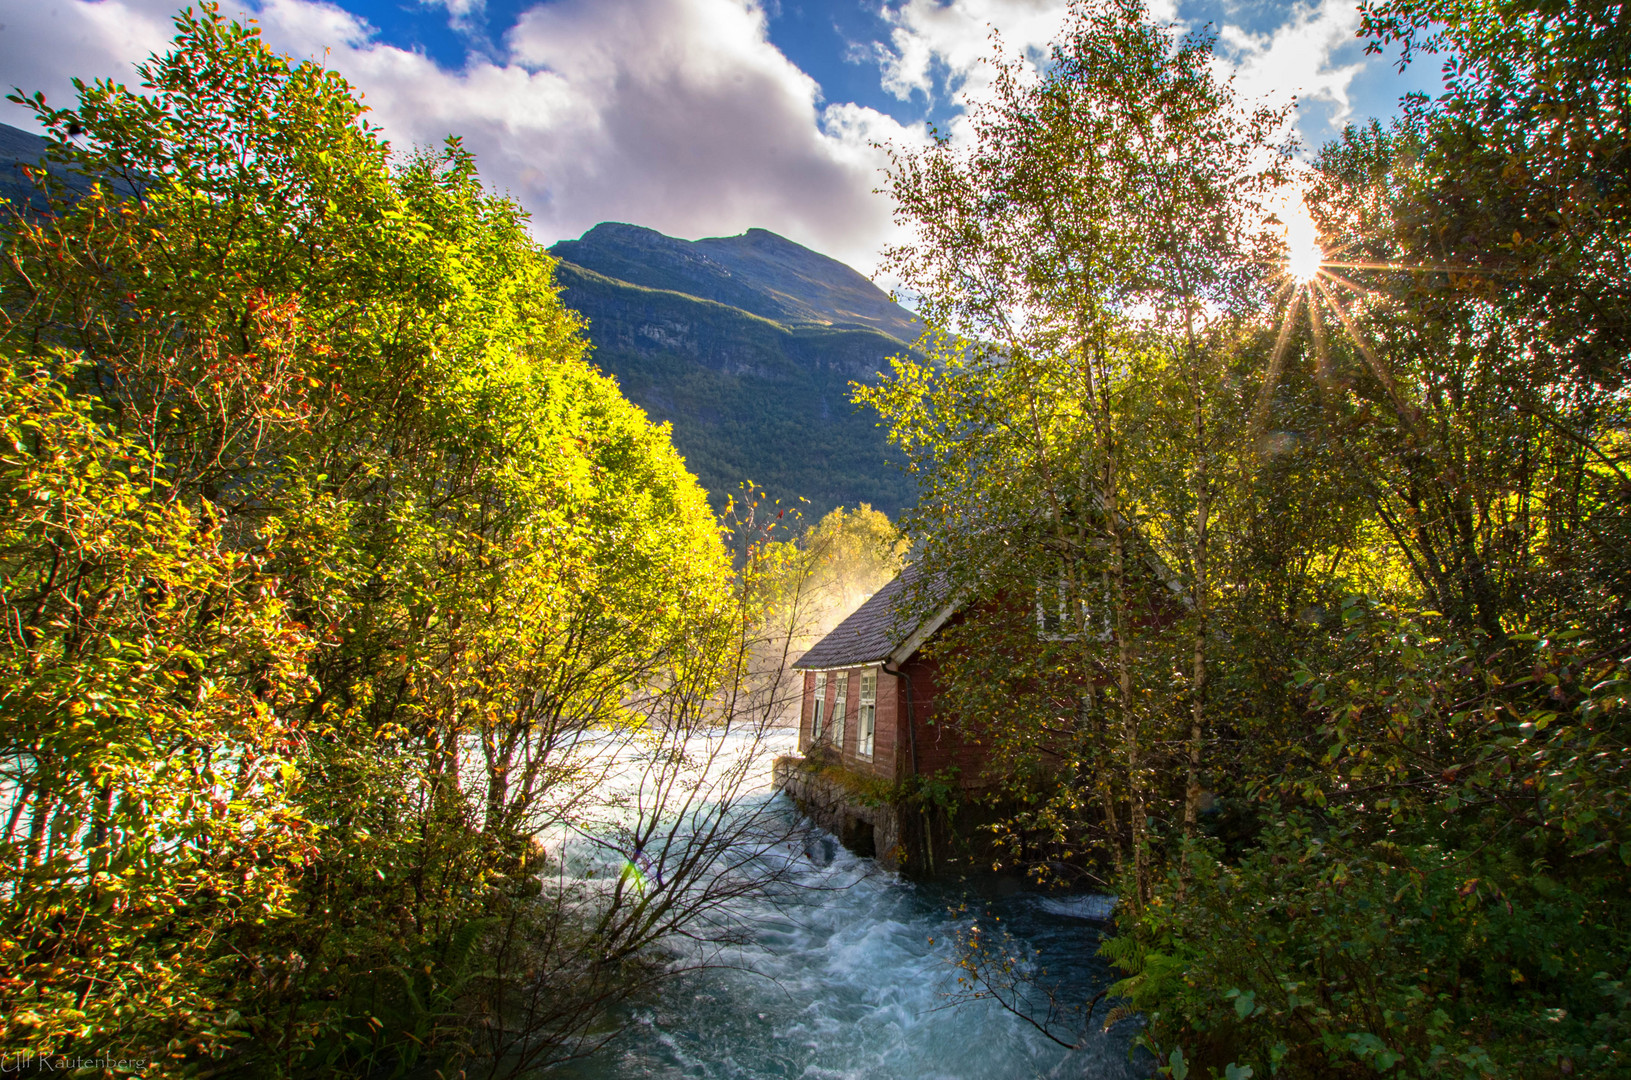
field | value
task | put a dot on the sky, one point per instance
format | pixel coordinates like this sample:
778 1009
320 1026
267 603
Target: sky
700 117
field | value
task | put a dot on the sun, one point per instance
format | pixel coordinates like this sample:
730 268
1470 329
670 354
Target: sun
1303 252
1311 280
1303 262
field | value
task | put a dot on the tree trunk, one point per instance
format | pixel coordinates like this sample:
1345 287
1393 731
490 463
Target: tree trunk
1199 552
1131 753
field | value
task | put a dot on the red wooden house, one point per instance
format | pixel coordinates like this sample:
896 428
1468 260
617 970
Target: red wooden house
869 703
869 693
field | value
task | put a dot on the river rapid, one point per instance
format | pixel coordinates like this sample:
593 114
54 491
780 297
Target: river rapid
844 971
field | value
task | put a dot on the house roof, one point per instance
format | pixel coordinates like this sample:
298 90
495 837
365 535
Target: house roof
883 628
891 625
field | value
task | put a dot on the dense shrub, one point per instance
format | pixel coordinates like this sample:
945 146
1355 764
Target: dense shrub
1320 954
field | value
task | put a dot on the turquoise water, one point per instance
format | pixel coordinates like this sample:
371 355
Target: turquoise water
846 972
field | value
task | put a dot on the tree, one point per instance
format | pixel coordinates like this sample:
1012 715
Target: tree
368 580
1521 164
1373 559
1430 861
832 568
1094 241
151 744
1488 246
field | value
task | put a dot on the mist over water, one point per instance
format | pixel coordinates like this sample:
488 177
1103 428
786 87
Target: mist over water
843 972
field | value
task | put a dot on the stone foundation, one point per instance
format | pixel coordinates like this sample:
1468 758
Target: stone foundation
903 837
900 836
864 826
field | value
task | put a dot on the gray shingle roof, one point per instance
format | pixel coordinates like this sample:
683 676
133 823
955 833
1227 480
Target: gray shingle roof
876 628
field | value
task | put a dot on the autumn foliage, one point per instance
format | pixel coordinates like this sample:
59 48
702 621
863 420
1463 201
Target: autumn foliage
333 577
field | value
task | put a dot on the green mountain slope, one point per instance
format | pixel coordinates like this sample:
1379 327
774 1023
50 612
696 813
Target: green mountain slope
747 346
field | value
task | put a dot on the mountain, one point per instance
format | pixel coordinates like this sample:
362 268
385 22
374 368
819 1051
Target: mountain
747 346
759 272
19 148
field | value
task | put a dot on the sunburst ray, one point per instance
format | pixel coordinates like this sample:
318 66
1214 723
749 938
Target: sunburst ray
1308 275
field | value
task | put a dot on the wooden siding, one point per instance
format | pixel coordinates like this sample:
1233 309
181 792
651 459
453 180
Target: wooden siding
806 698
939 746
884 736
885 760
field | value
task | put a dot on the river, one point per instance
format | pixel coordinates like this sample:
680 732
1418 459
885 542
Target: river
845 972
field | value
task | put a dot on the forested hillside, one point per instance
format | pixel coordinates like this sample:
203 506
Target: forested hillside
747 345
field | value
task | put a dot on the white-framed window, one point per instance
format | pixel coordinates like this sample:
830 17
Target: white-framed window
815 710
839 710
1057 619
866 718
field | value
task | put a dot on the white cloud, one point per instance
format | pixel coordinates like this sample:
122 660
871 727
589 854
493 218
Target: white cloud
682 116
45 42
939 48
954 40
464 16
675 114
457 9
1296 60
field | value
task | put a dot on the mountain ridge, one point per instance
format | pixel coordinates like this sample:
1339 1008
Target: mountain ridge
746 346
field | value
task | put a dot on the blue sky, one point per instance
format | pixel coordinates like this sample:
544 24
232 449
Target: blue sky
700 117
838 42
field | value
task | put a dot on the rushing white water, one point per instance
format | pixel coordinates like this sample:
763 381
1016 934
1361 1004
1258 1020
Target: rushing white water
846 971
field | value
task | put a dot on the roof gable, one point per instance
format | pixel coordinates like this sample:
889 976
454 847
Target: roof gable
878 630
887 628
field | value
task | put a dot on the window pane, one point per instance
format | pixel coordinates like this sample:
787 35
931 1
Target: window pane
820 699
840 693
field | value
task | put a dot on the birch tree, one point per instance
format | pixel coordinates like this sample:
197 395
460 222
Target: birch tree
1094 238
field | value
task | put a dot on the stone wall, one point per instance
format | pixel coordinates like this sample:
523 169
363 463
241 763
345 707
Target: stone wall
858 811
869 827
